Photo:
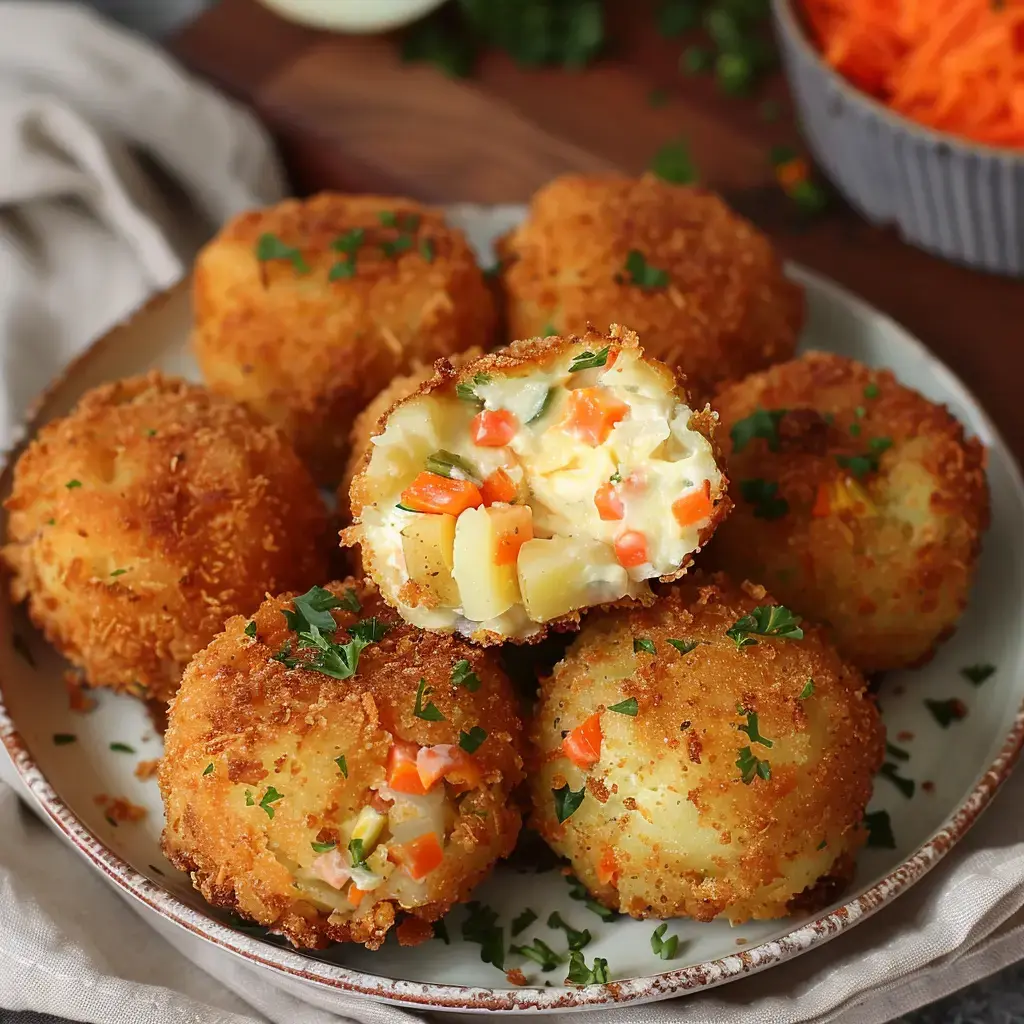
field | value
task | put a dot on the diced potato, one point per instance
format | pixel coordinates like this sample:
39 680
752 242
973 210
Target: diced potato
368 828
485 563
428 544
557 575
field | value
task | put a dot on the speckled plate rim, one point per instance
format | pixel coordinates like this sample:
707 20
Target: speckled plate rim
331 977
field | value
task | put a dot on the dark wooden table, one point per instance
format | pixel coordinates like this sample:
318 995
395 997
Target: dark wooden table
348 114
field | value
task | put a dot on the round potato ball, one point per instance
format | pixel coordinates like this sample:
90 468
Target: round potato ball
697 777
703 287
858 502
153 512
306 310
327 779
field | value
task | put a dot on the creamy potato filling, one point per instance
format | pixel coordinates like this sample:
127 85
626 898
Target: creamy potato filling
530 494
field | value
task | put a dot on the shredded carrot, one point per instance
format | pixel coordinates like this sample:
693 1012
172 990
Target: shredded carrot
954 65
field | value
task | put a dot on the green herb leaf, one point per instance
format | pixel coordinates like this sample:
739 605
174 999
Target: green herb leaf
567 801
808 196
880 444
751 728
540 953
578 939
662 947
464 676
946 712
208 770
641 643
589 360
683 646
396 246
523 921
350 601
62 739
313 608
430 713
544 406
118 572
859 466
270 247
269 798
323 847
356 852
427 249
807 691
578 891
977 674
470 741
674 17
370 631
250 628
626 707
349 241
122 748
752 767
891 772
343 269
642 274
342 765
696 60
340 661
72 484
871 390
466 391
765 620
581 974
455 467
763 495
674 164
249 802
880 830
388 218
481 925
762 423
734 73
898 752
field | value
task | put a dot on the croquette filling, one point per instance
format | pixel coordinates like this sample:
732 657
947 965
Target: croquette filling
530 494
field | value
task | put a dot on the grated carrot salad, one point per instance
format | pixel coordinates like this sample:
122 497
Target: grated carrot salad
954 65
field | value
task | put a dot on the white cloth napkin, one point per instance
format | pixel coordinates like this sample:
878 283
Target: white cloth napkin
113 166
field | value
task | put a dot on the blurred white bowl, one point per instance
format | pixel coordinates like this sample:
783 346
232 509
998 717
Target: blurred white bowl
353 15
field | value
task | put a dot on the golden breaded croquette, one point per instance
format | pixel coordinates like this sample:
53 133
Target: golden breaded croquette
306 310
858 502
146 517
328 769
702 287
557 474
697 777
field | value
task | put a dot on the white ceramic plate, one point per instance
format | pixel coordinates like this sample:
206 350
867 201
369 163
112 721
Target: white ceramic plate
950 791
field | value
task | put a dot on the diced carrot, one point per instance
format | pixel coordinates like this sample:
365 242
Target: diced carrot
355 894
447 761
583 745
631 549
509 542
591 414
431 492
403 775
607 867
694 507
499 486
493 428
822 502
609 504
792 172
419 856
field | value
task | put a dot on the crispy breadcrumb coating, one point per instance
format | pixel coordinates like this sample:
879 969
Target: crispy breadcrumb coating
315 750
667 826
151 513
369 287
724 310
884 556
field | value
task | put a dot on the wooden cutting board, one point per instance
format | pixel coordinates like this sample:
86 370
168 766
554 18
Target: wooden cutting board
348 114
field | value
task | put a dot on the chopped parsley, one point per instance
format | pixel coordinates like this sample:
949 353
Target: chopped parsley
481 925
388 218
21 647
118 572
578 891
350 601
891 772
764 496
683 646
250 628
641 643
464 676
855 430
342 765
871 390
208 770
544 406
427 250
370 631
751 728
430 713
765 620
465 390
357 852
642 274
470 741
674 163
822 844
540 953
62 739
880 830
898 752
858 466
628 706
349 241
977 674
589 360
396 246
72 484
269 799
752 767
567 801
323 847
249 802
581 974
762 423
313 608
615 478
122 748
343 269
662 947
270 247
523 921
549 330
340 661
946 712
807 691
445 463
578 939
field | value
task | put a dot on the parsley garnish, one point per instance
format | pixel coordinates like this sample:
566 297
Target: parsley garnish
880 444
208 770
763 423
977 674
567 801
615 478
549 330
807 691
643 644
577 939
342 765
350 601
427 250
430 713
589 360
122 748
891 772
764 496
401 244
249 802
880 830
642 274
751 729
370 631
871 390
388 218
751 767
465 390
250 628
540 953
443 463
765 620
859 466
356 852
270 247
470 741
578 891
898 752
323 847
683 646
946 711
481 925
313 608
349 241
544 406
270 797
339 661
822 844
464 676
118 572
72 484
662 947
673 163
343 269
581 974
62 739
626 707
523 921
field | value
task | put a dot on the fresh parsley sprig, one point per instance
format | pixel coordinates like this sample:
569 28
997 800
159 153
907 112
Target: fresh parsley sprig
773 620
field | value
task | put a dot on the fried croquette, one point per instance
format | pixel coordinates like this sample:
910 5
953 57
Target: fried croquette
858 502
306 310
329 769
702 287
708 756
503 498
141 521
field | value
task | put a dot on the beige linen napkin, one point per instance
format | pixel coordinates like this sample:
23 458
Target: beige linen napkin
113 166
